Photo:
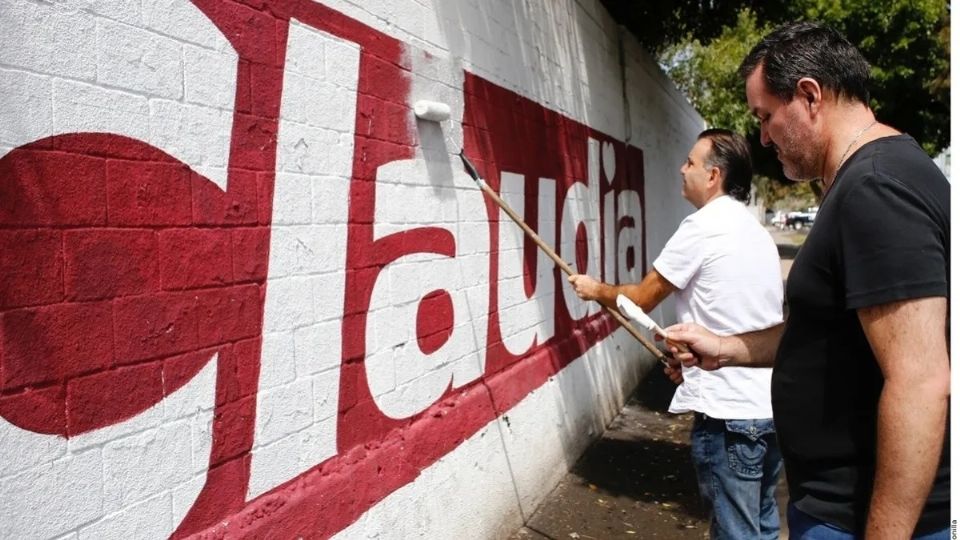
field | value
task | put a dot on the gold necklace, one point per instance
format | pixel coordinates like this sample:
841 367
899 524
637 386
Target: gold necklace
849 146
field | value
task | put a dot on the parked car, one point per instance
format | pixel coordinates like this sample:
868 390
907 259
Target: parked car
801 219
777 219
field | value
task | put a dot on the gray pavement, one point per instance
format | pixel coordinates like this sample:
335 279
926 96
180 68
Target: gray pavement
637 481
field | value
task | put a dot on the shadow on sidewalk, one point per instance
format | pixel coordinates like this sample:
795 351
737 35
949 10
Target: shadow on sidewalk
637 481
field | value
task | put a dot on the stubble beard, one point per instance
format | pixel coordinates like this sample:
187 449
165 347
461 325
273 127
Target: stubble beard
797 156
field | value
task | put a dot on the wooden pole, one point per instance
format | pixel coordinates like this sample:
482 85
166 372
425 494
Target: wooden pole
556 258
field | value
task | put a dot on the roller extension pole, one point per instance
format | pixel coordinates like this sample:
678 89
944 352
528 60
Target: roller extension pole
472 171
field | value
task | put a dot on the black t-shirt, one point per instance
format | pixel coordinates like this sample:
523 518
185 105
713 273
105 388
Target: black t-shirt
882 234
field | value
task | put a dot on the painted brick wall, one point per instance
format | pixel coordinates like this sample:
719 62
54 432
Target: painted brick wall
245 293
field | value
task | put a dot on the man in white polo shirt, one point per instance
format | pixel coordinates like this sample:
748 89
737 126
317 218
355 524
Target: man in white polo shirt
725 271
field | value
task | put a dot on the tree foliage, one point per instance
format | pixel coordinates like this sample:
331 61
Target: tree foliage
658 25
707 73
700 44
907 43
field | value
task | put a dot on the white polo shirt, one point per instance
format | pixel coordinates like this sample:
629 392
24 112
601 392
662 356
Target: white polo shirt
727 270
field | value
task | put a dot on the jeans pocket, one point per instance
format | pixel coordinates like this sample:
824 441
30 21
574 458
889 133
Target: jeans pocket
746 445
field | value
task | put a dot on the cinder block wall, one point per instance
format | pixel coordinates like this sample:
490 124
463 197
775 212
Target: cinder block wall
244 292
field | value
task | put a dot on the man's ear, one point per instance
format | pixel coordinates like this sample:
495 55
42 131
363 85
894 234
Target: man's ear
716 176
811 93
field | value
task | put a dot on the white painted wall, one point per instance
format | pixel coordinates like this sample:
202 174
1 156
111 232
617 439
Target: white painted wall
159 72
562 54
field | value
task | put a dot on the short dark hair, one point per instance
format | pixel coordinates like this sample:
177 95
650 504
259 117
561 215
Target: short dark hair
808 49
730 152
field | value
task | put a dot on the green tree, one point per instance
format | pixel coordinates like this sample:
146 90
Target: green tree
658 25
779 195
907 43
700 44
707 73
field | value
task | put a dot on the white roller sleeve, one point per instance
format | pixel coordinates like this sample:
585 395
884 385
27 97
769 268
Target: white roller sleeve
628 308
432 111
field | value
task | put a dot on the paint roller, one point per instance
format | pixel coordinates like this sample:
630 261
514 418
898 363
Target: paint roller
434 111
431 111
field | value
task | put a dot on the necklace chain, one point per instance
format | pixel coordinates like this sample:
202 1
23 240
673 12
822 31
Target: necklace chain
849 146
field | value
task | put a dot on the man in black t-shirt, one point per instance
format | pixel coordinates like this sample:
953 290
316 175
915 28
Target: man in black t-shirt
861 377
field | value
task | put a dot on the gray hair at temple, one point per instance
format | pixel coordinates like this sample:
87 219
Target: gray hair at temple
730 152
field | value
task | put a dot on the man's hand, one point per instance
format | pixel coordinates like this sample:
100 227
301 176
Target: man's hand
705 346
673 371
585 286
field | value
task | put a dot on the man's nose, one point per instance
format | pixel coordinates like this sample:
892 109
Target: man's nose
765 137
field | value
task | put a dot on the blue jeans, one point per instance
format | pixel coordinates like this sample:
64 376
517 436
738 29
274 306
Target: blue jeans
737 464
806 527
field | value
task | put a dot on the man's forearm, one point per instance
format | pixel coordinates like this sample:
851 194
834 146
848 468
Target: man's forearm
753 349
910 430
710 351
607 294
646 294
649 292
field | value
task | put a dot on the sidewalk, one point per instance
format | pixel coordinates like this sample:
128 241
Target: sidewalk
637 480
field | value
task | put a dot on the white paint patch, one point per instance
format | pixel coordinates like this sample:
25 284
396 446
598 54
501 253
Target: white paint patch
105 488
525 321
94 72
300 365
403 379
